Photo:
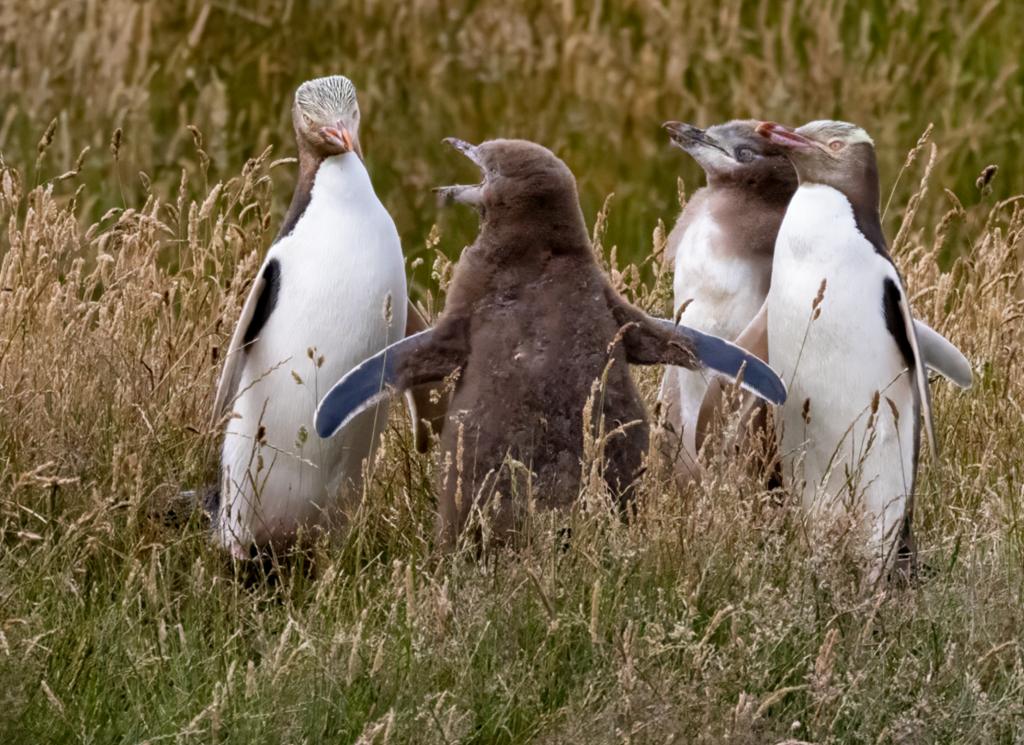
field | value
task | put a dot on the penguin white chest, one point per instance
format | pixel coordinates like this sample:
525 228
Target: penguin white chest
725 287
341 297
829 340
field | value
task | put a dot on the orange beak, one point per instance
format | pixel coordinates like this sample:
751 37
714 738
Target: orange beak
340 137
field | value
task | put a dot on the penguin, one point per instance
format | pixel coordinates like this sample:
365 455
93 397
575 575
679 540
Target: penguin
841 333
330 292
721 254
721 251
531 331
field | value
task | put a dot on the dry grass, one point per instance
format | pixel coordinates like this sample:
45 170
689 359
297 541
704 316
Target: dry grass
592 80
717 617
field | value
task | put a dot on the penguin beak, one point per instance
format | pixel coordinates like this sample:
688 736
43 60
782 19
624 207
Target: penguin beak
710 154
471 194
467 149
784 137
687 137
340 137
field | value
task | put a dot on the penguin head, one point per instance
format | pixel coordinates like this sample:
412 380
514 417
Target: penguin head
733 152
833 153
326 116
521 180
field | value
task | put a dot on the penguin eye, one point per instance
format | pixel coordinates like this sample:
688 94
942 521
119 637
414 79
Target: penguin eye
744 154
836 145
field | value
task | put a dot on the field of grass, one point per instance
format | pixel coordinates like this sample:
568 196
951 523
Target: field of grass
718 616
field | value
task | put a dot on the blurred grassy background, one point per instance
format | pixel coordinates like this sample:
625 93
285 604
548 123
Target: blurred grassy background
593 81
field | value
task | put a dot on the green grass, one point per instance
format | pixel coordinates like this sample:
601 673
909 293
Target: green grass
719 616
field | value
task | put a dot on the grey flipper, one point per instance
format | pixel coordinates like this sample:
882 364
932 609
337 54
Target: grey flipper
725 358
413 361
255 313
657 341
942 357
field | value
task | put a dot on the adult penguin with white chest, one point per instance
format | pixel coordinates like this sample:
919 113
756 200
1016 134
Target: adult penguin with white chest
331 292
529 324
720 251
841 333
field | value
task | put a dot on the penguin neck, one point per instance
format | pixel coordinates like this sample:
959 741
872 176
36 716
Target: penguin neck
856 178
525 239
758 186
333 181
554 225
748 219
863 197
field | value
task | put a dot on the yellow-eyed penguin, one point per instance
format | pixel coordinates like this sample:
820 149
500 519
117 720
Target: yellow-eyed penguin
721 253
841 333
330 293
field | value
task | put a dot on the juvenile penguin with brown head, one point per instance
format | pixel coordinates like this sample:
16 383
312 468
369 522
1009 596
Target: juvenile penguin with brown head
530 324
720 251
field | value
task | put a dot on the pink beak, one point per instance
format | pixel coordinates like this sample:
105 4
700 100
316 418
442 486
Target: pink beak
339 136
783 136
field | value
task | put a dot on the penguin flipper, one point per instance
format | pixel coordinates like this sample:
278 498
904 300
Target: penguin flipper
423 358
257 309
900 322
426 404
657 341
941 356
729 360
365 385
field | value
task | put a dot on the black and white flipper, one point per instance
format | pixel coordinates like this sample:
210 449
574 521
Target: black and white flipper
900 323
259 304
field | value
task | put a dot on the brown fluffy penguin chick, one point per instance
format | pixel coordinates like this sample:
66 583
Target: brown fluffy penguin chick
529 325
